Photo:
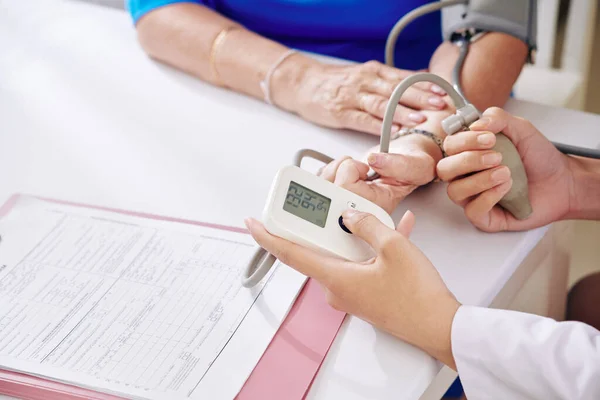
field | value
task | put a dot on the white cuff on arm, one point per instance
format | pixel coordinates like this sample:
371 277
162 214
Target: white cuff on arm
510 355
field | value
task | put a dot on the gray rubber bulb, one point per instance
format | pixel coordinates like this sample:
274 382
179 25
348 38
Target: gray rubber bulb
516 201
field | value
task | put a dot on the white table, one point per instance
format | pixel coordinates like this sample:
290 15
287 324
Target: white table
86 116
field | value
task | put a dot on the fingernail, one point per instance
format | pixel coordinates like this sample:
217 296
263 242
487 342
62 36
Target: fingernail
416 117
491 158
480 123
501 175
375 160
438 90
486 139
435 101
349 213
247 222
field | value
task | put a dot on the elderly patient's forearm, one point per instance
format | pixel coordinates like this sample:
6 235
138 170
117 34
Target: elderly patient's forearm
490 70
182 35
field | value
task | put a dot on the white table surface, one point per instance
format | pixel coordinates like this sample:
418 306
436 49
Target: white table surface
86 116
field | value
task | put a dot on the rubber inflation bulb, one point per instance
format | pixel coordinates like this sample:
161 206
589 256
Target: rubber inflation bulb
516 201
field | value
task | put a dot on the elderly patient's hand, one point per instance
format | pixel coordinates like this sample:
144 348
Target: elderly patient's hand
410 165
354 97
400 174
398 290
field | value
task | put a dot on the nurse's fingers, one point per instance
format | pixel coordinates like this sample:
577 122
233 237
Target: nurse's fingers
329 172
362 121
462 189
375 104
306 261
478 210
450 168
468 140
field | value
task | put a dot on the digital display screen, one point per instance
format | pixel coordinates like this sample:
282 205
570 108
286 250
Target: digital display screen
306 204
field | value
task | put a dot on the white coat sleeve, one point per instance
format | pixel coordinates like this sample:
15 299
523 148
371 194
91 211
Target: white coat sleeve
511 355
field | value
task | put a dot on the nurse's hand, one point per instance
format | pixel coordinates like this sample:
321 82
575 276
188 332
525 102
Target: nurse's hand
478 181
354 97
398 291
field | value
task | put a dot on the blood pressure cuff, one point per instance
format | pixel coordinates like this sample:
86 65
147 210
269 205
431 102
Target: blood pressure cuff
517 18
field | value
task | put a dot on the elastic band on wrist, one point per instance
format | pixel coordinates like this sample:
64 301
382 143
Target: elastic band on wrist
265 84
431 135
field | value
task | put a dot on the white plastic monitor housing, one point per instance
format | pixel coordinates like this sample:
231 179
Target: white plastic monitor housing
330 239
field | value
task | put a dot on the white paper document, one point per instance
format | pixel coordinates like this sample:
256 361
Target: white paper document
136 307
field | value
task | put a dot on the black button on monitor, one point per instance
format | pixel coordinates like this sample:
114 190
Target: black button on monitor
341 222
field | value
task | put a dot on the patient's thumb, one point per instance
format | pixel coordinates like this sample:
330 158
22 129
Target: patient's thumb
388 165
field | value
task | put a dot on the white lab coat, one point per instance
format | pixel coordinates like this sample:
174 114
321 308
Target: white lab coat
509 355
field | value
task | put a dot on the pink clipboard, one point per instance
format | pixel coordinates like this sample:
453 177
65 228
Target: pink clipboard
286 369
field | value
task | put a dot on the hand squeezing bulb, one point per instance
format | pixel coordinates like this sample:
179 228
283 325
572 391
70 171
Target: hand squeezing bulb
516 201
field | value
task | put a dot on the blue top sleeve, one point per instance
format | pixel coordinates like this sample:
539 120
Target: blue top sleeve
138 8
350 29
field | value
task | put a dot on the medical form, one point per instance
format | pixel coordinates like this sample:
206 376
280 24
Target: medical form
136 307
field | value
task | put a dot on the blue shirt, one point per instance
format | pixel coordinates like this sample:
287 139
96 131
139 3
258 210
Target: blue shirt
350 29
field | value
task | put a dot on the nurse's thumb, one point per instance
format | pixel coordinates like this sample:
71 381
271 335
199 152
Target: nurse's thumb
497 120
368 228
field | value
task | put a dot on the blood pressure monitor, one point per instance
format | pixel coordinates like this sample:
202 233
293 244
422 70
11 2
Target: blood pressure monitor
306 209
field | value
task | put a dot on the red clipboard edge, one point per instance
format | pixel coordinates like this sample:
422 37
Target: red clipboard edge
12 384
